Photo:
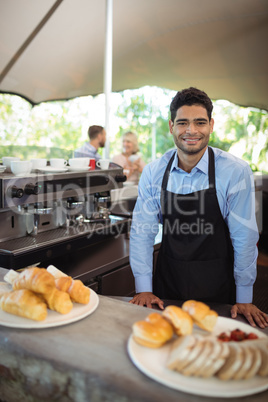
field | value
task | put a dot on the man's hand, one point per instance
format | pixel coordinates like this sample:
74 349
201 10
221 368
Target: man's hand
252 314
147 299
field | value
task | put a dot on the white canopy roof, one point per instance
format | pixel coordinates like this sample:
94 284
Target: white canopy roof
219 46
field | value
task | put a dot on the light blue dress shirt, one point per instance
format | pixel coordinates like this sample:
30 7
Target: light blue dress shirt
87 150
236 197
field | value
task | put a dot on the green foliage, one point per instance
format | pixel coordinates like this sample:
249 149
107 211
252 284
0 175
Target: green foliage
54 128
142 117
242 131
216 142
34 151
45 130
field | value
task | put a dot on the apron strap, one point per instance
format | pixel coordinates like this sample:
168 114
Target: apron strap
211 168
164 183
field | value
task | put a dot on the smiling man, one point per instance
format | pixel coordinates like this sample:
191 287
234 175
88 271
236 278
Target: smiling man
204 198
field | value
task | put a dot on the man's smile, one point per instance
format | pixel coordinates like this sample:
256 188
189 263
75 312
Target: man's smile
191 141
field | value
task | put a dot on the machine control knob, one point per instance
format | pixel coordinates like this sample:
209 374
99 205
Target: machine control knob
16 192
120 178
31 189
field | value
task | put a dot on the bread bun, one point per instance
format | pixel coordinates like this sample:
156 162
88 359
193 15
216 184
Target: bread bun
201 314
153 332
179 319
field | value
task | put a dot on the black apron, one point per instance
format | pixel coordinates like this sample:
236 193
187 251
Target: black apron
195 260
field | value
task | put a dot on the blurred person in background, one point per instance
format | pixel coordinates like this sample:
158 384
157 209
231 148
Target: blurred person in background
129 159
97 139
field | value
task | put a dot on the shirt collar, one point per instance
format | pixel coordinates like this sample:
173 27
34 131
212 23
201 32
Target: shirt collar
92 148
202 164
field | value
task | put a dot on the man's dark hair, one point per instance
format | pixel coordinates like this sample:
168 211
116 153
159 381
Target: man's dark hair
93 131
189 97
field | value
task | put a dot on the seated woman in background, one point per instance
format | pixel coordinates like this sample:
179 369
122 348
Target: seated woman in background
129 159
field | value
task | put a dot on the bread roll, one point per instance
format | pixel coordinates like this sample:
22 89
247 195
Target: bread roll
58 301
201 314
153 332
78 292
24 303
179 319
36 279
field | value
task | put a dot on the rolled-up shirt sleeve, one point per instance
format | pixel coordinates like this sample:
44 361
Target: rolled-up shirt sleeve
144 228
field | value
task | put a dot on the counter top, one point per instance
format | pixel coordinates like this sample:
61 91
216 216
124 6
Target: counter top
84 361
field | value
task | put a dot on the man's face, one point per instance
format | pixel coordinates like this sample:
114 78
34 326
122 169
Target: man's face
102 138
191 129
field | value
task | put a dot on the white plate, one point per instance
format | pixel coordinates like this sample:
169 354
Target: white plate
2 168
152 362
53 319
50 169
74 169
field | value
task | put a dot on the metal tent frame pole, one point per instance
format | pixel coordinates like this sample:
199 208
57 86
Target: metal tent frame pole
108 71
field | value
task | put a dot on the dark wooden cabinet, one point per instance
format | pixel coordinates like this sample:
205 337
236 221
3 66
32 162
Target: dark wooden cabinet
119 282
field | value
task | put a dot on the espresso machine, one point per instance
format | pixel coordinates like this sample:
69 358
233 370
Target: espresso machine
47 215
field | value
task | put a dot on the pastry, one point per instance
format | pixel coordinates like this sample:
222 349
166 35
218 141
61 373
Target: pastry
24 303
58 301
201 314
153 332
78 292
179 319
36 279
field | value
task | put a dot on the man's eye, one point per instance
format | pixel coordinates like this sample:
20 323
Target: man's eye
181 123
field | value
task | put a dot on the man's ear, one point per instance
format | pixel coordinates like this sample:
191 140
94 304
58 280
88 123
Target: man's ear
211 123
170 123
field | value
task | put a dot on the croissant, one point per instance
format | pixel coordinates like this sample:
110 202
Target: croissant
58 301
78 292
36 279
24 303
